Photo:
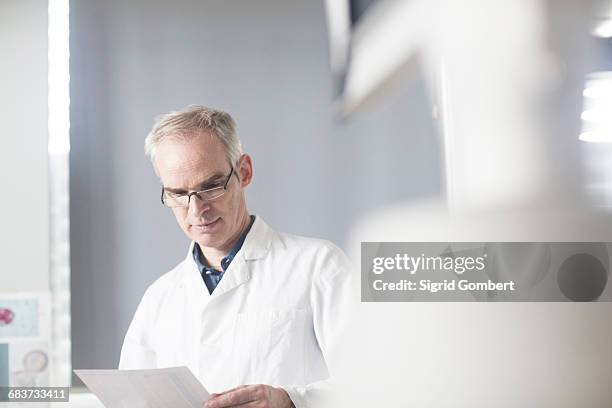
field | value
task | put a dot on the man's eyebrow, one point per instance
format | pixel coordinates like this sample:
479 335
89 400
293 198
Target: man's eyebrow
213 181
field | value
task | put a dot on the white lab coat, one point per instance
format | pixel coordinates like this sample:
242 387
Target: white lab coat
273 318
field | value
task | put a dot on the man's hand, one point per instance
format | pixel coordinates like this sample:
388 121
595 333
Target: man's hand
251 396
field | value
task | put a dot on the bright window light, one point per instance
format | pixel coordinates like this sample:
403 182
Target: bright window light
597 105
59 78
603 29
594 137
59 196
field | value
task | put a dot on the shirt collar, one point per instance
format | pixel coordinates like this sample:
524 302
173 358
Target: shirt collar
256 246
199 259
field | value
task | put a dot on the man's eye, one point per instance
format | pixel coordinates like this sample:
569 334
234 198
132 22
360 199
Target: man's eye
174 195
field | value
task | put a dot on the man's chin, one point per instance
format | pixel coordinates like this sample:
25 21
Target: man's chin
209 239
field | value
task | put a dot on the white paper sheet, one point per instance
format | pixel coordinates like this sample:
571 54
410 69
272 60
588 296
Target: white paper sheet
174 387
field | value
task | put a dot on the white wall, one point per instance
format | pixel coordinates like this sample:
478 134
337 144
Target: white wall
24 223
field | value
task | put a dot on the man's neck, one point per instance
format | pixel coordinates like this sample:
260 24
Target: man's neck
213 256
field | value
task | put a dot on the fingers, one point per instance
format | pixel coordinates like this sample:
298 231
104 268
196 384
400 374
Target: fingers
213 395
239 396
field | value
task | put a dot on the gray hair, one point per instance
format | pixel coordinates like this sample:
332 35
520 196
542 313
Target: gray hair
185 123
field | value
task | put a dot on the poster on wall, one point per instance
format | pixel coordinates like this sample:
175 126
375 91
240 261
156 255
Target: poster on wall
24 339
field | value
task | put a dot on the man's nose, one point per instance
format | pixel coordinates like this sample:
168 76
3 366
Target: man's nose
197 206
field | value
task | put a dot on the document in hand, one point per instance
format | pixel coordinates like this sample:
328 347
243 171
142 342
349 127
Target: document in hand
174 387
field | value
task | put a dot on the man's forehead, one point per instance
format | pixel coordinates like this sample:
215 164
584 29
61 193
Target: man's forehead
190 162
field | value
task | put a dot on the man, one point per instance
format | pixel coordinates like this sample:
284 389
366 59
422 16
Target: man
254 313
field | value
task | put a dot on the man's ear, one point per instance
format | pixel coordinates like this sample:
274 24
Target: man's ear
245 170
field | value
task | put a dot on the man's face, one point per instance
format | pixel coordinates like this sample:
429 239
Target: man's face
200 163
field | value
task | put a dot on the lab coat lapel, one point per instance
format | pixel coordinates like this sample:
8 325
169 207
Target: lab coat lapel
237 273
255 246
197 299
194 284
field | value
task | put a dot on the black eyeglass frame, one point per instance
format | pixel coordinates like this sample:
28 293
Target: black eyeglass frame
197 193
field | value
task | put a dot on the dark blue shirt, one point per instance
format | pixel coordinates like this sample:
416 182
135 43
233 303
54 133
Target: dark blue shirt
211 276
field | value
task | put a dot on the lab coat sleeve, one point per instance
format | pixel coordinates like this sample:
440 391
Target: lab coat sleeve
137 351
332 303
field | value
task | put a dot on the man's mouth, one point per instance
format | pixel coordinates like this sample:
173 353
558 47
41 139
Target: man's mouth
206 225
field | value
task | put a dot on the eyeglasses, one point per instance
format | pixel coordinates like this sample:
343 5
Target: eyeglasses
182 200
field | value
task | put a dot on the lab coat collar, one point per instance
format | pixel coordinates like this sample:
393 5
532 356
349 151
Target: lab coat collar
258 242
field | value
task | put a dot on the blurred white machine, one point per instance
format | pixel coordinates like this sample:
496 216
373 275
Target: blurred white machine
506 80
